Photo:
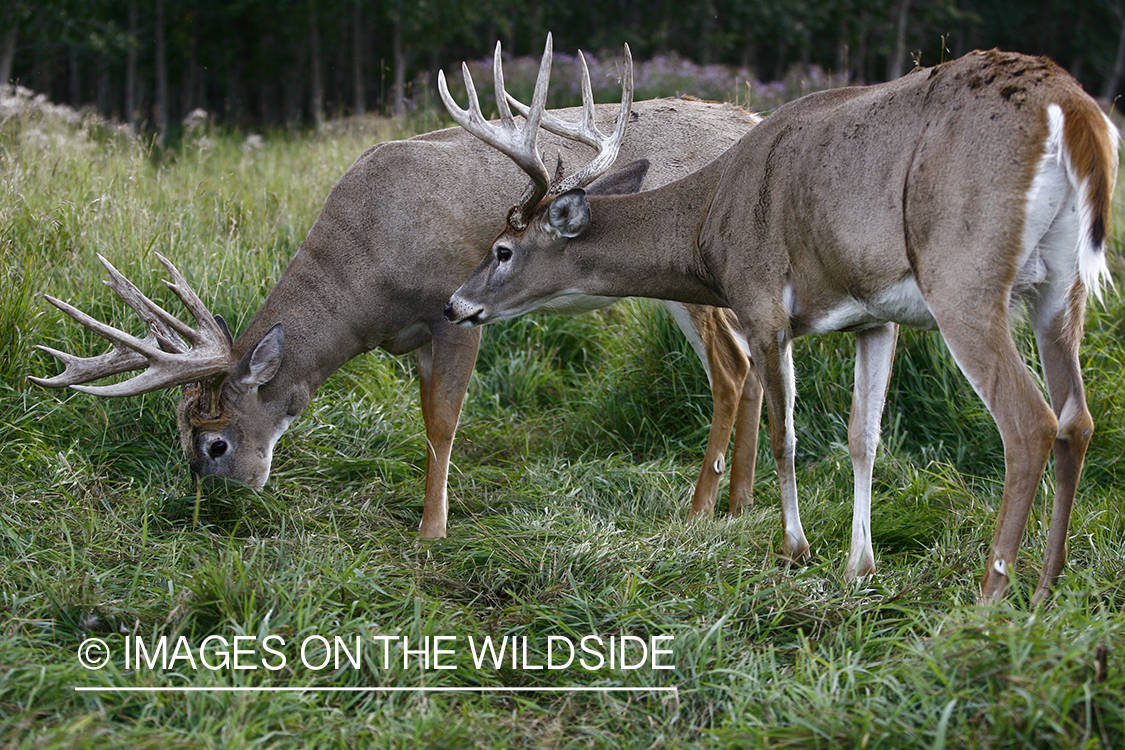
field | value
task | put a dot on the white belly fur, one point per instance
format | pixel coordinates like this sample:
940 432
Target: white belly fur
901 303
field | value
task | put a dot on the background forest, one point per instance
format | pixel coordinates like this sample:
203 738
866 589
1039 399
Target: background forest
578 446
296 62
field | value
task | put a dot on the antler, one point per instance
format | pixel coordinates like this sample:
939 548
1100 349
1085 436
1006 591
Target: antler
173 352
586 131
518 144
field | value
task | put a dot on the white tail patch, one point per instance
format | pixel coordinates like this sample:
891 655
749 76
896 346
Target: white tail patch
1092 266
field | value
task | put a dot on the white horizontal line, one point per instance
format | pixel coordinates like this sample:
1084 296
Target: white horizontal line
374 689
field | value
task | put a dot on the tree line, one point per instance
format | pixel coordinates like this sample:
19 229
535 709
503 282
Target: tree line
291 62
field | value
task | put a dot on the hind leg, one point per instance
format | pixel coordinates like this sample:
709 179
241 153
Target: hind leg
745 452
716 338
729 370
974 325
1058 331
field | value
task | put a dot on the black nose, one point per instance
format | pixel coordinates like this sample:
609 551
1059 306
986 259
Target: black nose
449 311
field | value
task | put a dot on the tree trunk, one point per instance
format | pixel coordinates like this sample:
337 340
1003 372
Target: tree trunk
843 48
317 81
9 54
103 88
706 16
193 86
398 89
535 31
782 60
1109 91
860 59
293 97
161 76
131 68
897 63
357 59
74 88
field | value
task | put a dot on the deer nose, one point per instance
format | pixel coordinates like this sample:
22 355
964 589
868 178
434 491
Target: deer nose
462 313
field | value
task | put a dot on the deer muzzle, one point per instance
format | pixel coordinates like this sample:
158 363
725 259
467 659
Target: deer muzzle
460 311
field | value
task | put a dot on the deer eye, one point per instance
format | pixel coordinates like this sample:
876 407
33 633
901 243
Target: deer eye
217 449
503 253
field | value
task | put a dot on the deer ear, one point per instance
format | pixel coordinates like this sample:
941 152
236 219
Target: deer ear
569 213
624 181
222 323
259 366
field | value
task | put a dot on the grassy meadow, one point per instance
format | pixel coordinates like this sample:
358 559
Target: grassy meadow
572 476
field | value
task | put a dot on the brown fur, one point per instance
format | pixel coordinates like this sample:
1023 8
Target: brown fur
824 217
397 234
1091 151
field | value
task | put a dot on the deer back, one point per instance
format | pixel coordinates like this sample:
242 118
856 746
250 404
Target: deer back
839 191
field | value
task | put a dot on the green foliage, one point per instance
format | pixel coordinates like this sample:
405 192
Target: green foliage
572 469
251 62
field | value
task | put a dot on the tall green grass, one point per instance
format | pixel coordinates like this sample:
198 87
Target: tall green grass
571 478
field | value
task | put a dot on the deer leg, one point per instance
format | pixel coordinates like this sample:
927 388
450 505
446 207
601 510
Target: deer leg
875 351
445 366
1058 338
715 336
772 356
725 391
745 452
982 345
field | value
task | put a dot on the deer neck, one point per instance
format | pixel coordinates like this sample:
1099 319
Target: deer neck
320 331
647 244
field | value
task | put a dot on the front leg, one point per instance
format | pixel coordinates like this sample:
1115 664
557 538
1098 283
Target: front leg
445 366
874 355
772 355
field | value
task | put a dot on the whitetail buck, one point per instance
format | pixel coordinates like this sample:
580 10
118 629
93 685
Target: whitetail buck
397 234
937 201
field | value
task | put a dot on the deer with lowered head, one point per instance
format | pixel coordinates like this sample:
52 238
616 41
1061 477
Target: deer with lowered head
396 235
939 200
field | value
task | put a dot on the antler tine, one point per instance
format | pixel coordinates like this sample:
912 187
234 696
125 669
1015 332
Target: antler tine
162 325
538 96
128 353
506 120
116 337
168 359
208 326
583 132
607 146
518 144
84 369
587 131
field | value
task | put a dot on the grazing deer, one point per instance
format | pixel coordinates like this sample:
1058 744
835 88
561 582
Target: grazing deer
936 201
397 234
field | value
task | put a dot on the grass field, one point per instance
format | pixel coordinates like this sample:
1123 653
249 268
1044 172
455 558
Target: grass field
573 472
